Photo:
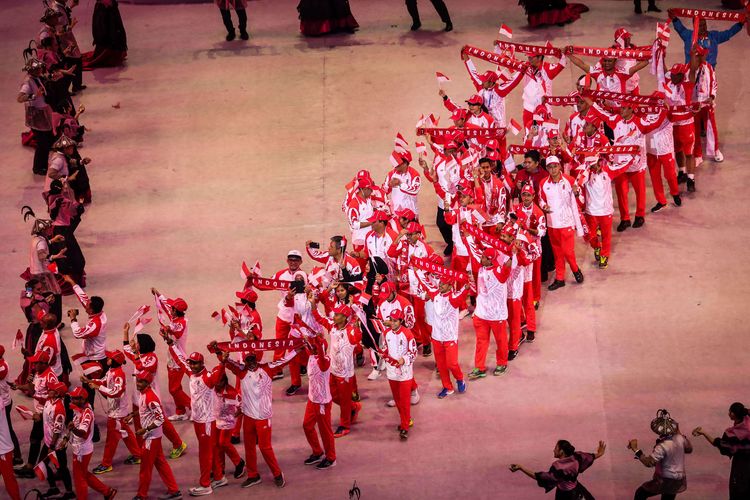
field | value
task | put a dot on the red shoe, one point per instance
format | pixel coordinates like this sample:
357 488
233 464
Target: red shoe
341 432
356 408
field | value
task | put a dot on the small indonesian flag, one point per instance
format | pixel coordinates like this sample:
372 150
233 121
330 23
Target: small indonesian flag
515 127
17 340
52 457
316 277
663 33
420 122
92 369
140 312
25 412
421 148
52 267
401 145
140 323
256 268
364 298
441 78
216 316
41 471
505 31
244 271
433 120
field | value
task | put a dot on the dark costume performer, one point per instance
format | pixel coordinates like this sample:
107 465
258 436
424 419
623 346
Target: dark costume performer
551 12
321 17
110 41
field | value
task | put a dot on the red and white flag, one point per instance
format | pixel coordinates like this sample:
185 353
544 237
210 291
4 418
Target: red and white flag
244 271
53 458
514 126
317 277
256 268
421 148
441 78
140 324
505 31
41 471
364 298
420 122
25 412
435 121
139 313
17 340
52 267
401 145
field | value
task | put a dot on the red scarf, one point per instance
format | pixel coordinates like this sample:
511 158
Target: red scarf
639 53
269 283
561 100
426 265
469 133
711 15
534 50
494 58
627 98
517 149
256 345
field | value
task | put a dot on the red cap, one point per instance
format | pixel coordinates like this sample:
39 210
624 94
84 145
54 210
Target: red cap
57 386
413 227
509 230
678 68
386 289
145 375
622 33
488 76
492 144
79 392
406 213
39 357
466 187
116 355
365 182
553 132
475 99
364 174
342 309
458 114
378 215
658 94
490 253
451 145
528 188
195 357
492 155
396 314
178 304
402 156
249 295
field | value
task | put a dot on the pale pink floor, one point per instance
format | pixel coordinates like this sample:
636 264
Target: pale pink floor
228 151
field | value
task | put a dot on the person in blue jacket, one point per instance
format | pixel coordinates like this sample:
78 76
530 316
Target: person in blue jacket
708 39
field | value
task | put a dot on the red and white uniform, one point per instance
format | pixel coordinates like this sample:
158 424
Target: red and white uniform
385 307
41 383
682 121
151 414
400 344
226 406
177 325
202 394
538 86
333 267
491 313
404 195
660 148
536 220
598 207
378 245
515 285
83 448
493 197
615 81
5 398
83 419
455 217
444 321
114 390
53 420
49 341
6 459
94 333
318 409
494 98
358 211
563 221
574 126
704 92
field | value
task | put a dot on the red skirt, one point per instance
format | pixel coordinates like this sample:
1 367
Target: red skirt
571 12
321 17
105 58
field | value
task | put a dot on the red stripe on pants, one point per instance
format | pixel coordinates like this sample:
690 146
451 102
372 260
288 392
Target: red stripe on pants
320 415
655 166
603 223
83 479
528 306
181 399
152 457
223 447
401 391
341 390
514 318
206 453
446 358
638 180
9 478
258 431
482 328
114 437
563 246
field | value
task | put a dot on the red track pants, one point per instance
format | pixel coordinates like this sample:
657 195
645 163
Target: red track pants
83 479
707 117
446 357
152 457
204 433
401 391
9 478
604 223
536 277
341 390
114 425
223 448
514 318
483 327
319 415
564 247
528 306
638 180
181 399
294 367
258 431
655 166
282 331
422 331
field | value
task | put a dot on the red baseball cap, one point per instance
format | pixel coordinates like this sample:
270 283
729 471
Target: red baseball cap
39 357
527 188
466 187
490 253
378 215
249 295
396 314
451 145
179 304
195 357
679 68
701 50
406 213
342 309
2 350
115 355
364 174
475 99
386 289
509 229
413 227
488 76
57 386
593 120
365 182
79 392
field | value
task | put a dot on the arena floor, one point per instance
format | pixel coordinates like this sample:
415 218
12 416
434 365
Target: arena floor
223 152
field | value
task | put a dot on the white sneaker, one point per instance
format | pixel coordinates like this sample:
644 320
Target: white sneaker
374 374
391 403
200 491
381 365
178 417
719 157
414 396
221 482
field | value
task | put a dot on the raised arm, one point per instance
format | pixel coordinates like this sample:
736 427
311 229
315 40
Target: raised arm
725 35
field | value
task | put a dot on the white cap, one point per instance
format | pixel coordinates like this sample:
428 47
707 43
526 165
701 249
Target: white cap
294 253
553 159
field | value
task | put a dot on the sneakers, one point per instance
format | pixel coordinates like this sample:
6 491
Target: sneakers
597 253
555 285
403 434
638 222
691 185
360 359
718 158
178 417
52 492
512 354
178 452
499 370
356 408
239 470
341 432
414 397
111 495
292 390
325 464
448 26
356 397
303 370
461 385
251 481
102 469
603 262
374 374
427 350
175 495
681 177
219 483
677 200
578 275
623 225
313 459
657 207
530 337
279 481
444 393
477 373
131 460
391 403
200 491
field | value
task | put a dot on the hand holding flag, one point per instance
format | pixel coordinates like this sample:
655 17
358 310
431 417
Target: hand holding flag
441 79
